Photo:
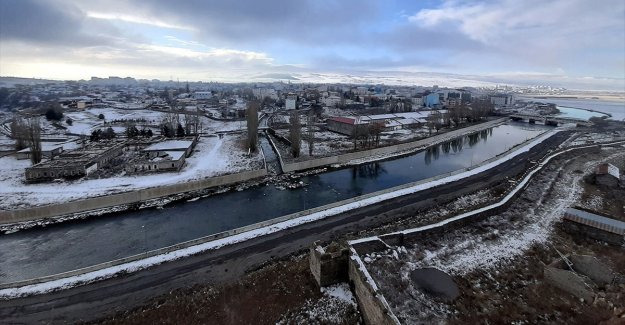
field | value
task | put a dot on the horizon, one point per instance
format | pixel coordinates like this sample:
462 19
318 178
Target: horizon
480 42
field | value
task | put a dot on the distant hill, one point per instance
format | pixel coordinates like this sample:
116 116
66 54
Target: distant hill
280 76
12 81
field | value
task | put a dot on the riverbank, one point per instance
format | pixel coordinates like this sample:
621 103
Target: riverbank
12 220
156 257
387 152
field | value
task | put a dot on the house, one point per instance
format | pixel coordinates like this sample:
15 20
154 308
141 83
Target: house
607 175
48 150
342 125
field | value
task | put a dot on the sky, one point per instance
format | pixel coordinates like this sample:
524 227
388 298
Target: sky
570 43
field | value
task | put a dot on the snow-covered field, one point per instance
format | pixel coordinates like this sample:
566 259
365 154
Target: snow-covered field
211 157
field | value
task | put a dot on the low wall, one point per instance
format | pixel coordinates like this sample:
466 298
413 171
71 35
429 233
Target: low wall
100 202
373 306
328 267
388 150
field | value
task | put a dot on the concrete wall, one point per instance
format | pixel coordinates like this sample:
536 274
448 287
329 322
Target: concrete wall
373 307
328 267
48 211
388 150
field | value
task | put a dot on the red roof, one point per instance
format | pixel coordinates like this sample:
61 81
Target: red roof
345 120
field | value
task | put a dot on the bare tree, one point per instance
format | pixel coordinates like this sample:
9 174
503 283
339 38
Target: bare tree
19 132
252 125
310 127
34 138
295 134
434 121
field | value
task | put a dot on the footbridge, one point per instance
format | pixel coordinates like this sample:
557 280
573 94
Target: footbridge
549 120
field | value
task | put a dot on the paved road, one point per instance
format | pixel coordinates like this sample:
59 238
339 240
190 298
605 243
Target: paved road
230 262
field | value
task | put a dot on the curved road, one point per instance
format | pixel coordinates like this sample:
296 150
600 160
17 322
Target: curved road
228 263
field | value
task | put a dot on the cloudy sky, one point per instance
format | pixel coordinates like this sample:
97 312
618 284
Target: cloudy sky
575 43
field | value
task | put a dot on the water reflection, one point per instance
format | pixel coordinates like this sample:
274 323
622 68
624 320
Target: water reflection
456 145
371 171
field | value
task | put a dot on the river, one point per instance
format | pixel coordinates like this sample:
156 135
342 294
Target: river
68 246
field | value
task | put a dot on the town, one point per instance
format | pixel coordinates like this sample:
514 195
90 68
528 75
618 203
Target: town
312 162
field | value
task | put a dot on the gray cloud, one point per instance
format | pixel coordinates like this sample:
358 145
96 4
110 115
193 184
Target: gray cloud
52 23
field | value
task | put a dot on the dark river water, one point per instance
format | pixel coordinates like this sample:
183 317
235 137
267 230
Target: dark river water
64 247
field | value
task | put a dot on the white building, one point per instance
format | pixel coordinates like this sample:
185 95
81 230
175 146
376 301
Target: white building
331 101
417 100
290 102
261 93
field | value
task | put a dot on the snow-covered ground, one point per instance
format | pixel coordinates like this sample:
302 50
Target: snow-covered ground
212 157
486 246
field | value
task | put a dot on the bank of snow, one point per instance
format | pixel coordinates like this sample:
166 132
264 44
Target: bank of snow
212 157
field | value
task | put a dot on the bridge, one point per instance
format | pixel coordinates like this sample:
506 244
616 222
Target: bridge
549 120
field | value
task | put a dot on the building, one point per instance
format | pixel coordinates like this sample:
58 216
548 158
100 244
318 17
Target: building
76 163
607 175
168 155
500 100
290 102
431 100
388 122
342 125
202 95
48 150
331 101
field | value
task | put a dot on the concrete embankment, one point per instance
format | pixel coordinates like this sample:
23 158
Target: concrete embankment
125 198
388 151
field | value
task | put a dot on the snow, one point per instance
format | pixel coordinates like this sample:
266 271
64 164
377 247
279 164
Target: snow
175 155
169 145
340 291
212 157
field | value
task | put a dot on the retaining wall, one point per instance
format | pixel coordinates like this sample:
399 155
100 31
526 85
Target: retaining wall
388 150
100 202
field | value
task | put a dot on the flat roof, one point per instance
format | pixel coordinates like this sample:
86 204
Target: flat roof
595 220
170 145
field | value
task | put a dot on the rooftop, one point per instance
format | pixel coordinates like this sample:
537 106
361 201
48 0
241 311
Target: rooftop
595 220
170 145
